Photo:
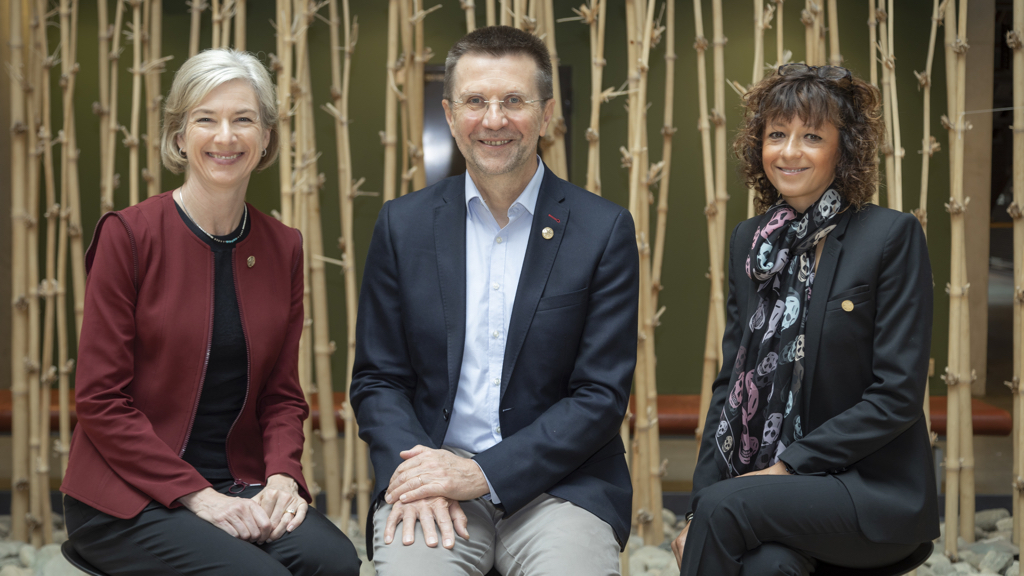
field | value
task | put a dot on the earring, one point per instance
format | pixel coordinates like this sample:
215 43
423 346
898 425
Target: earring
264 155
182 152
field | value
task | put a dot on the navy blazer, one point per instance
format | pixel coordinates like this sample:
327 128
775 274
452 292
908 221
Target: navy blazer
569 354
866 371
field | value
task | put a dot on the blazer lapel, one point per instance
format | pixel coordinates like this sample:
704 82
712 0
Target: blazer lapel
550 212
450 250
819 298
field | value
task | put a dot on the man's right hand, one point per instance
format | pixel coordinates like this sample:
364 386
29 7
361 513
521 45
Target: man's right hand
240 517
447 514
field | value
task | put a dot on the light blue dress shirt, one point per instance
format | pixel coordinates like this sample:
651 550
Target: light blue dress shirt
494 261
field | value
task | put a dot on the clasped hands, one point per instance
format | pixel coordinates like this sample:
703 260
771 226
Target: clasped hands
428 487
265 517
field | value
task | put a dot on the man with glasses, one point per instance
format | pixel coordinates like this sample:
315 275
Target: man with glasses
496 345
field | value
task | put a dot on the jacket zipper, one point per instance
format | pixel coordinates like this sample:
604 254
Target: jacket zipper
248 373
206 363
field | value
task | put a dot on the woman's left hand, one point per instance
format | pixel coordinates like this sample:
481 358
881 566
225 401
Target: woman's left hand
777 469
281 501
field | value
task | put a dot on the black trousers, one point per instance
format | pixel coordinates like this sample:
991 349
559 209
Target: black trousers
175 541
779 525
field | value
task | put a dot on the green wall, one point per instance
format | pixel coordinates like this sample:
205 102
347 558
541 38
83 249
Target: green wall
680 338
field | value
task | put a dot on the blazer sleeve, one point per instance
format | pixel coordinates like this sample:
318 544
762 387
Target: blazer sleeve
106 359
383 378
901 346
281 406
708 471
535 458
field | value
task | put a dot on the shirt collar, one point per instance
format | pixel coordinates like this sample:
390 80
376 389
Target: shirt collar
527 198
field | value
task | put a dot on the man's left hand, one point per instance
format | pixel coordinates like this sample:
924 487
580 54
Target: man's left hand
427 472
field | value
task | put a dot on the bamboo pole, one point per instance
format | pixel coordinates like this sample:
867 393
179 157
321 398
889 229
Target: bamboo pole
132 139
780 51
758 37
835 58
552 144
873 74
887 147
70 229
215 17
110 179
821 56
153 69
716 309
895 195
667 130
227 12
20 494
467 6
389 136
504 14
240 20
809 17
719 120
104 34
404 78
596 18
489 15
283 68
1015 40
761 19
196 8
414 91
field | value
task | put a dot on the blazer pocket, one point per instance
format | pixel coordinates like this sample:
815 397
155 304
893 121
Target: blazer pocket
855 295
563 300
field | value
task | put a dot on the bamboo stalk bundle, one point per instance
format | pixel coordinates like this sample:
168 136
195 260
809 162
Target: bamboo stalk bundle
470 9
283 68
595 16
68 217
552 144
1015 40
33 79
887 147
240 16
389 136
109 178
196 8
667 130
20 495
835 58
716 305
152 70
132 140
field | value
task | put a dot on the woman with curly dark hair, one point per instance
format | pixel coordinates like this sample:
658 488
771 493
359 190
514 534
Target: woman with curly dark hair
815 453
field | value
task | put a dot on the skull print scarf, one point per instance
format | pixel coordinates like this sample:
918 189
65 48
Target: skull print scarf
762 414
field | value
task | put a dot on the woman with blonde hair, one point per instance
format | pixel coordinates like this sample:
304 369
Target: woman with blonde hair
185 459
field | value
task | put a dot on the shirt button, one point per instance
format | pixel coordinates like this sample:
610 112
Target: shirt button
497 429
496 286
495 334
496 381
499 240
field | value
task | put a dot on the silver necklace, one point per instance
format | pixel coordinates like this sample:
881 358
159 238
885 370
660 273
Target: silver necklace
245 217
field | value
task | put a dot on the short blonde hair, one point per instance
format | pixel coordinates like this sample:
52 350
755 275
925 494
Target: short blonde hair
196 78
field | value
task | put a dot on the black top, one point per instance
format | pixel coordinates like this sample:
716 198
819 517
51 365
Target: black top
225 384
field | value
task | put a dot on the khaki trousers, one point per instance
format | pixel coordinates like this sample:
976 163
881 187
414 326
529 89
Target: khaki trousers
549 536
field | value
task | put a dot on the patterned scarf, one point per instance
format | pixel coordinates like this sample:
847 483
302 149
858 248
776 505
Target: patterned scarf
758 421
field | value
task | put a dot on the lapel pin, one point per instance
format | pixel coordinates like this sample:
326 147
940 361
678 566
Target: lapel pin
547 233
847 305
250 261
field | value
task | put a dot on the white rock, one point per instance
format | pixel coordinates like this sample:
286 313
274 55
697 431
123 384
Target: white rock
635 543
1004 524
924 571
995 562
986 519
12 570
668 516
27 555
963 568
57 566
971 557
1013 570
650 559
946 569
8 548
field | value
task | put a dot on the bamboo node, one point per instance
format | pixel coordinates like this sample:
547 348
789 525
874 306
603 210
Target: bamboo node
1018 295
956 208
592 135
1013 385
881 15
923 80
663 468
627 159
31 367
945 122
922 216
667 130
1018 484
960 47
700 44
949 377
643 516
711 210
1014 210
68 366
716 117
1013 39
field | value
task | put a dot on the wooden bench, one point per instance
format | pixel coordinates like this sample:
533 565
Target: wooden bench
677 414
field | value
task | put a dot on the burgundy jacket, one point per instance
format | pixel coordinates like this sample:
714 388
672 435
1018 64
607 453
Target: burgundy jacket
143 351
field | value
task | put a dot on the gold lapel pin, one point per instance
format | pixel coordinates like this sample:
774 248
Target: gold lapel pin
847 305
251 261
547 233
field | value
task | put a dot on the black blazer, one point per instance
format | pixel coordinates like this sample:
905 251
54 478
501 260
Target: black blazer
866 371
569 355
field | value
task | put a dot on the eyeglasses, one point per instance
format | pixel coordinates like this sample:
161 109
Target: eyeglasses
836 73
512 104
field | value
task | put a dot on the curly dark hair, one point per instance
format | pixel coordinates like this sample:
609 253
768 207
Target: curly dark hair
848 103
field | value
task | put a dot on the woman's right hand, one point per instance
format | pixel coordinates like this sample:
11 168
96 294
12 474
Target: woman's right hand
679 543
239 517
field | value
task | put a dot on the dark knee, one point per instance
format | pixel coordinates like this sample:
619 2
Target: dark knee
775 559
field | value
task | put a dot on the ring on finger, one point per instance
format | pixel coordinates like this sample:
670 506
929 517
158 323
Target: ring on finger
290 511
